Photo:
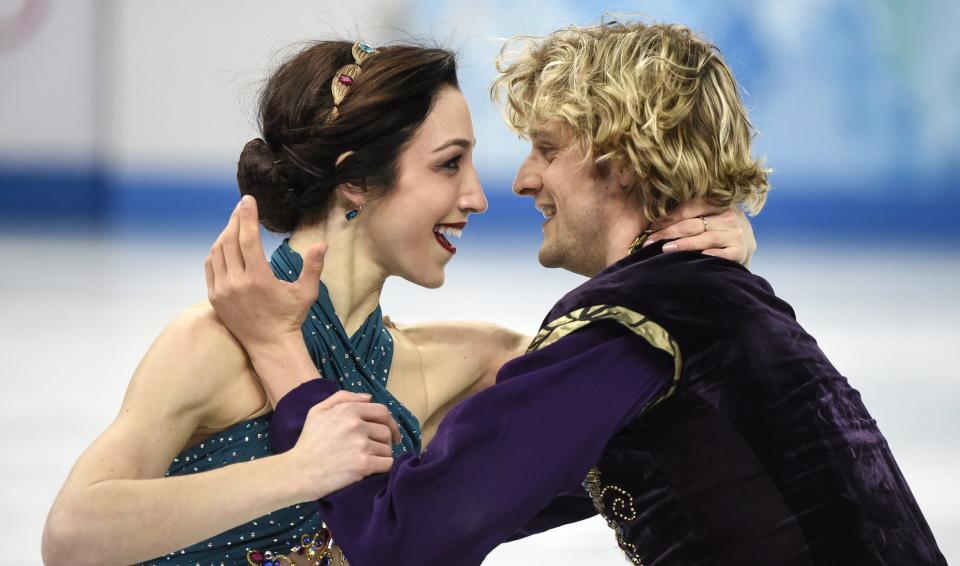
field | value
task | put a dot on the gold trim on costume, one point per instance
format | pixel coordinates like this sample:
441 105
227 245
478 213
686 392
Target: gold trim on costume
639 324
596 491
622 505
638 243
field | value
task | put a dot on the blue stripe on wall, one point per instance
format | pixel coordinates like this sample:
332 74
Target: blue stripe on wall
56 194
91 197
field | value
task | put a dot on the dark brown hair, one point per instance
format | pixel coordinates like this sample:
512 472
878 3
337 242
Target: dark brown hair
292 170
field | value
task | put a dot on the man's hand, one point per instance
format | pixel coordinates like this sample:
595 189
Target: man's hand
345 439
699 226
260 310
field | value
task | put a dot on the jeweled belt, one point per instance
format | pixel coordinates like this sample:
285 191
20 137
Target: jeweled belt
318 548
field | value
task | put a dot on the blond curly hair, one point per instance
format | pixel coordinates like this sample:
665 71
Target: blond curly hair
654 97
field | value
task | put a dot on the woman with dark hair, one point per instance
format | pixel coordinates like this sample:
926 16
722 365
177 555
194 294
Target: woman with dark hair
366 160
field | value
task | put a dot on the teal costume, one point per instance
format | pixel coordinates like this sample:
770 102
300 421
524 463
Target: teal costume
360 363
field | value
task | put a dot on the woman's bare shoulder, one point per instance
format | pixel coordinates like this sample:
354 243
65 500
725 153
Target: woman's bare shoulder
199 336
485 340
194 359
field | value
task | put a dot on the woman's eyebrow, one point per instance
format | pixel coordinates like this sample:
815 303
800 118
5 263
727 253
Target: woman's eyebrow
465 144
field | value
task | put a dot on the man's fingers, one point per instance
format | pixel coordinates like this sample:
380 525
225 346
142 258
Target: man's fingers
230 245
217 263
251 247
313 267
209 276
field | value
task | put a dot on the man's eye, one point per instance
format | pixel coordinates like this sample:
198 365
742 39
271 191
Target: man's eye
548 153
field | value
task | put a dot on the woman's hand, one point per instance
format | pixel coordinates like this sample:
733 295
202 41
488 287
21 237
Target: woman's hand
260 310
699 226
345 438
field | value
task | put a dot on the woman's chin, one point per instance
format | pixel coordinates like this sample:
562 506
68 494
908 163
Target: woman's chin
434 282
430 280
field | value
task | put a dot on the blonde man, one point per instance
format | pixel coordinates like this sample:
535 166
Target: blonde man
673 393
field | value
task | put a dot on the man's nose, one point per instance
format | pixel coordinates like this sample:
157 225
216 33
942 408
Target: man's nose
527 182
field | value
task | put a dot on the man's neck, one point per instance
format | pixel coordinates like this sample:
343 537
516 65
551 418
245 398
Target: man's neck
623 233
353 278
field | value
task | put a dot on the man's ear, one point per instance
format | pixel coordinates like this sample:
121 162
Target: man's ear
625 175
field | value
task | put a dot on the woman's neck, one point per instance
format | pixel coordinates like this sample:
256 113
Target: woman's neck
353 278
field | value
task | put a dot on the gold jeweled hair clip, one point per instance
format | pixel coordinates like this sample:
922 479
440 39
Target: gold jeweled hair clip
344 77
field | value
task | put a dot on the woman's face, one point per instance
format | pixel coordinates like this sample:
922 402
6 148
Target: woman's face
414 227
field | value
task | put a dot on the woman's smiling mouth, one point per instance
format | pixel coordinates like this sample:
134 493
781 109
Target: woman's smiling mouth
442 231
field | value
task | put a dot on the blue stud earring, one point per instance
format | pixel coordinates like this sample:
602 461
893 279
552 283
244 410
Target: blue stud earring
351 214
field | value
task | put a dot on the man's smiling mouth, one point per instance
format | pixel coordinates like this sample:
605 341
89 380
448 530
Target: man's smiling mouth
548 211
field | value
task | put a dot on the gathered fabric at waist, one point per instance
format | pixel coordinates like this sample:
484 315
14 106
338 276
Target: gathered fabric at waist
275 532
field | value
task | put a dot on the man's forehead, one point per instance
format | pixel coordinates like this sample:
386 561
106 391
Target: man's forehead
547 131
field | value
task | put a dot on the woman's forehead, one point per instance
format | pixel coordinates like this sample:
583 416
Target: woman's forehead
449 120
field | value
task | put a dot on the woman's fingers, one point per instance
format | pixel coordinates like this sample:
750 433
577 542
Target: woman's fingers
374 414
341 397
703 241
688 210
380 464
380 433
681 229
378 413
733 254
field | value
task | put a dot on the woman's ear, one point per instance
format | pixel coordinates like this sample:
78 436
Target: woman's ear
350 197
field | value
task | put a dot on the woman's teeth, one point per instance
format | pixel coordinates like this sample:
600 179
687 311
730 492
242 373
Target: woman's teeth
441 231
448 231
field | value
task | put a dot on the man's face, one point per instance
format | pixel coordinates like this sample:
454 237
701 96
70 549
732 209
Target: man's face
574 197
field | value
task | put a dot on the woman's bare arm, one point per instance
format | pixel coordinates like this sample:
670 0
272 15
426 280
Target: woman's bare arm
460 358
116 505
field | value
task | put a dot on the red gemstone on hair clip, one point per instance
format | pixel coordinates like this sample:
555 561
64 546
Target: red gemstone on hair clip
346 80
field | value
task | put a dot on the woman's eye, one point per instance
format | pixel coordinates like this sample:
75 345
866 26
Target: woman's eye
452 164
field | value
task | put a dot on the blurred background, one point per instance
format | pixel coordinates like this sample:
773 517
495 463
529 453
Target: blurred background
121 124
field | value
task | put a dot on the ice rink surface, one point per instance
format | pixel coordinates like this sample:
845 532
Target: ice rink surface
78 313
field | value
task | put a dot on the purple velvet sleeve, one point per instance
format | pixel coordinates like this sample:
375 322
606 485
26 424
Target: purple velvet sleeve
499 458
291 412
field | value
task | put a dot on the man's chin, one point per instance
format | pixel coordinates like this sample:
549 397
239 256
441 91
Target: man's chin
549 257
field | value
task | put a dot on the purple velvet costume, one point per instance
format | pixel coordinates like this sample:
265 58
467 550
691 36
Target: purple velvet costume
704 424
